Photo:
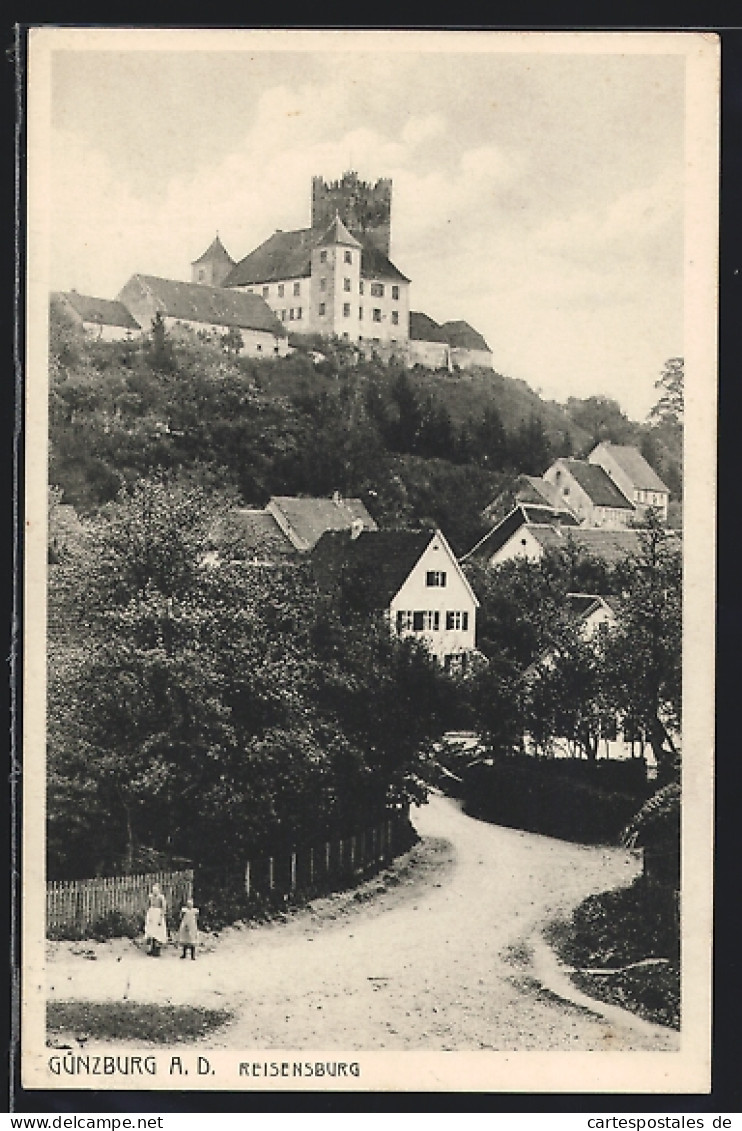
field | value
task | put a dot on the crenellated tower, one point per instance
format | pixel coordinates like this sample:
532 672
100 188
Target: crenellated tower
364 208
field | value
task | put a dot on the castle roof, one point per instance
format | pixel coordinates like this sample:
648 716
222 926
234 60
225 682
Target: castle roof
424 329
216 306
102 311
460 335
633 463
337 233
216 252
288 255
597 484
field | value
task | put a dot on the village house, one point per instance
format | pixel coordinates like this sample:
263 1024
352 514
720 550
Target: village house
590 493
208 310
100 318
413 577
519 522
529 531
287 528
628 469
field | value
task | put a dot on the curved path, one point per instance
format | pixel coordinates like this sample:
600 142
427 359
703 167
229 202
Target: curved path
439 960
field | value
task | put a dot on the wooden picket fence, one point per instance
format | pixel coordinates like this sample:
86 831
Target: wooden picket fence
74 906
326 864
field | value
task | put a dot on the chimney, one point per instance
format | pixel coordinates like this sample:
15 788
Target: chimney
356 528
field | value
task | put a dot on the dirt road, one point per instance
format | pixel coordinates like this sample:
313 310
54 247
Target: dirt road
433 957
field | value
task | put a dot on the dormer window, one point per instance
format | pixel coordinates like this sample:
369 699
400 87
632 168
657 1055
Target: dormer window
348 257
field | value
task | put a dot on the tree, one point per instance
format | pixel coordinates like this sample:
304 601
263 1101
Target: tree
602 418
669 408
565 693
213 711
644 654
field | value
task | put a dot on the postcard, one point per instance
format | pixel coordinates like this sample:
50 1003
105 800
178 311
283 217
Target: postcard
370 387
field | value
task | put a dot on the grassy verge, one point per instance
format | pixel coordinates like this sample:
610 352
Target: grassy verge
132 1021
614 929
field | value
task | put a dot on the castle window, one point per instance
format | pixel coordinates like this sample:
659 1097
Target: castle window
283 315
360 312
360 287
280 290
348 256
323 257
298 313
346 336
395 292
201 274
377 314
321 309
395 318
346 310
297 288
266 292
346 284
323 284
377 290
291 314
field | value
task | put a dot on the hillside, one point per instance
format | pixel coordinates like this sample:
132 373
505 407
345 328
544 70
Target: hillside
418 447
464 394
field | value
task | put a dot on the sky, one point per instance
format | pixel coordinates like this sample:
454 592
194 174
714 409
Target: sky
537 195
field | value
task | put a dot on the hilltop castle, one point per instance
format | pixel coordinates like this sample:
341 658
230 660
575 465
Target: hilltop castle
333 279
336 278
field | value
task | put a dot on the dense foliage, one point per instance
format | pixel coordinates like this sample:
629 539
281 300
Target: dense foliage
415 446
207 711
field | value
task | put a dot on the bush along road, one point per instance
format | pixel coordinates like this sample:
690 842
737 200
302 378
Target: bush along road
441 951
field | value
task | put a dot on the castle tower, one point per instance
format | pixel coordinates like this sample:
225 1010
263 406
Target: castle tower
335 283
365 209
213 266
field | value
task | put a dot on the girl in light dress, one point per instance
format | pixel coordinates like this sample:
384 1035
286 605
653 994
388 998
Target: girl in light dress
155 924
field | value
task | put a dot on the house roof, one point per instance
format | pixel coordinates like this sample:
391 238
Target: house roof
195 302
533 489
543 518
633 463
460 335
287 255
583 604
337 233
310 518
387 556
256 533
597 484
216 252
610 545
103 311
424 329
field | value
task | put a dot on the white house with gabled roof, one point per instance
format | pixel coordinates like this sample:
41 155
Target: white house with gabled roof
414 578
